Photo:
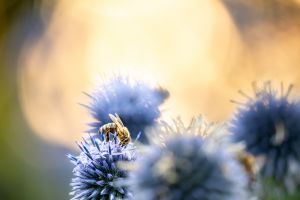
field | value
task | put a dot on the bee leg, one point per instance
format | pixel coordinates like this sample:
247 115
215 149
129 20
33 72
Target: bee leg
125 142
122 144
107 136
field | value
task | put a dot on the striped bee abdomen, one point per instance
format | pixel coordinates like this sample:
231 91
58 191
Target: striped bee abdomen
106 129
116 127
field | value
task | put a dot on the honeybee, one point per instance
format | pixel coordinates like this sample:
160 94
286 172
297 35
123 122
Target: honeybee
117 127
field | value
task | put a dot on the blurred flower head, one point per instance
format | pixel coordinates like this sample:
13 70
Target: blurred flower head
135 102
188 167
268 124
97 174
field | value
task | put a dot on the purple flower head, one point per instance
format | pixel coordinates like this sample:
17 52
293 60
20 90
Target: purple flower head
268 125
136 103
188 166
96 172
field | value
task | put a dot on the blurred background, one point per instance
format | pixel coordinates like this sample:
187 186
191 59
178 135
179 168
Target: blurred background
51 51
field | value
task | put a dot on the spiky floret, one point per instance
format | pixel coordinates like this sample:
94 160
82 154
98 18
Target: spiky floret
198 126
97 174
135 102
188 167
268 124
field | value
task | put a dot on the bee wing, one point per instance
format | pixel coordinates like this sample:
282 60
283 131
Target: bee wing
119 119
116 121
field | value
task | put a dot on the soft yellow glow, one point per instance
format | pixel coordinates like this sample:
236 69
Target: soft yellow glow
191 48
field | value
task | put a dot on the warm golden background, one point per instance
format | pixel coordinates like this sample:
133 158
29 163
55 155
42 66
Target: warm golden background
201 51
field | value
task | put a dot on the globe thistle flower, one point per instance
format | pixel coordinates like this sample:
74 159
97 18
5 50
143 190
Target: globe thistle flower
268 124
188 167
97 174
214 132
135 102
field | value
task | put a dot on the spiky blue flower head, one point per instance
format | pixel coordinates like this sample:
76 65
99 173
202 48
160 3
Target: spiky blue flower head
97 174
268 124
135 102
189 167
